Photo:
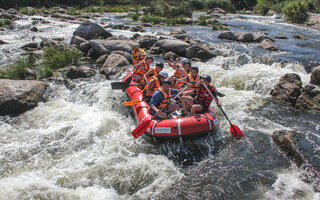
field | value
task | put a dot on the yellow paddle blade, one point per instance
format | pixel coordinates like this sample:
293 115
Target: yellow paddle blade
131 103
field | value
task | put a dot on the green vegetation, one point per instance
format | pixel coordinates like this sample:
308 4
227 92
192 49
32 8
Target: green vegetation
296 11
53 59
5 22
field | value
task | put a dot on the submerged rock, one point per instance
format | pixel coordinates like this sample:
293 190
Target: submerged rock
18 96
237 36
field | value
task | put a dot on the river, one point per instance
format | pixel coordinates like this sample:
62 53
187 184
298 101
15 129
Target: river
78 144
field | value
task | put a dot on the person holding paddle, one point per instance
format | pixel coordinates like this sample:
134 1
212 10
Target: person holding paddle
153 72
182 70
141 69
161 98
153 85
203 99
137 54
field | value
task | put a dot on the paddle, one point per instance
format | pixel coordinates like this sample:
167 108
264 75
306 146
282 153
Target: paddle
131 103
235 131
219 94
137 132
122 85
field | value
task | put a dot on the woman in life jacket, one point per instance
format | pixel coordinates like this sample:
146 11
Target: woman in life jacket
160 99
181 71
137 54
142 68
203 99
193 78
153 72
153 85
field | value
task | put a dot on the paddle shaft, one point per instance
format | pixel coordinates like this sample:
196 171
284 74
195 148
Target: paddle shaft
218 93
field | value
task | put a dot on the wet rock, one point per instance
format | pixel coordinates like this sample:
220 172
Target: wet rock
170 55
217 11
32 45
269 45
260 37
147 41
189 20
102 59
280 37
115 64
123 53
63 16
298 37
183 37
85 46
18 96
178 31
34 29
89 30
80 72
12 11
77 40
237 36
309 99
177 46
199 52
315 76
101 47
132 10
288 89
147 25
49 43
137 29
313 20
3 42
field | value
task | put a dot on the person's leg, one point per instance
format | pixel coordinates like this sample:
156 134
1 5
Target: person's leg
196 108
172 107
186 103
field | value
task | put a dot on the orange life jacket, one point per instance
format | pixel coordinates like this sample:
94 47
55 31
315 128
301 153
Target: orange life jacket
141 72
155 74
138 56
166 98
155 87
204 98
181 72
193 80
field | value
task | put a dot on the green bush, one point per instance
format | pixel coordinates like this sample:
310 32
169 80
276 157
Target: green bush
5 22
197 4
296 11
56 58
134 16
203 20
27 11
171 8
314 6
18 70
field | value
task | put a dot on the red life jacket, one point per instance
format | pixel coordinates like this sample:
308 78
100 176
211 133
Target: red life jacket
204 98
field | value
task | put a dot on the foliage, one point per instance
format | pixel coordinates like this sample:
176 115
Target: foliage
197 4
5 22
171 8
18 70
296 11
28 11
223 4
56 57
134 16
217 26
203 20
314 6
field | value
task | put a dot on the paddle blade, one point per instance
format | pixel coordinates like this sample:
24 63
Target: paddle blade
236 132
131 103
137 132
119 85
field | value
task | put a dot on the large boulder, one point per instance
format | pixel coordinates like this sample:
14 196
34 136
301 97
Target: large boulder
200 52
309 99
89 30
18 96
77 40
177 46
237 36
123 53
147 41
288 89
115 64
102 47
315 76
80 72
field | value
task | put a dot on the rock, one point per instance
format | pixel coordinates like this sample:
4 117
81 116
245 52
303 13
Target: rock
115 64
102 59
77 40
309 99
178 31
32 45
3 42
217 11
85 46
299 37
89 30
12 11
260 37
123 53
177 46
200 52
18 96
80 72
34 29
63 16
271 13
101 47
288 89
280 37
147 41
170 55
315 76
183 37
189 20
237 36
147 25
137 29
48 43
132 10
269 45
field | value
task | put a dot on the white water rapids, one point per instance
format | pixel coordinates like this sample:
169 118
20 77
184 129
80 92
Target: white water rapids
78 144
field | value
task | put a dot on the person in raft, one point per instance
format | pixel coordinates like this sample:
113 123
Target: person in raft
193 79
141 69
153 85
137 54
181 71
203 99
161 98
153 72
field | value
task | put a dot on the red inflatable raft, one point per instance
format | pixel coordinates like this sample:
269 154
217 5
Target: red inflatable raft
185 127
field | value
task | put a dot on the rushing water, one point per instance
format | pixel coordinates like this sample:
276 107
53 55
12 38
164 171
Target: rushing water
77 144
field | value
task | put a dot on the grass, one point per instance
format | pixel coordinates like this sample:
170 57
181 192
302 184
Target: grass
5 22
18 70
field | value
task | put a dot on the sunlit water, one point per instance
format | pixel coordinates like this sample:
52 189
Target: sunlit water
78 144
